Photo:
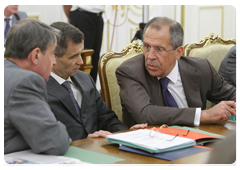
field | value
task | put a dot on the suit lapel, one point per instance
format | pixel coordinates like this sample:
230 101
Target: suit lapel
56 90
191 84
14 19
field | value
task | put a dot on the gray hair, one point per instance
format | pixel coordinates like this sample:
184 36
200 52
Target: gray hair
176 30
68 33
26 35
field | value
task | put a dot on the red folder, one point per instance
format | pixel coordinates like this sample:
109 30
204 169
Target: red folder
185 133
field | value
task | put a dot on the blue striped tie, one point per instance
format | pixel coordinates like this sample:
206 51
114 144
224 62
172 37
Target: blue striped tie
7 27
167 96
67 86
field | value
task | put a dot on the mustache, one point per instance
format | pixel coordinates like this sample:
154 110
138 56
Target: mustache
153 63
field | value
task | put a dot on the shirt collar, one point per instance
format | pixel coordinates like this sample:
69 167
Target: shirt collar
8 17
173 74
59 79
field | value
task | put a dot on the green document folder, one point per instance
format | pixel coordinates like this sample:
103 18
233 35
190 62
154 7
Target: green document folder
90 156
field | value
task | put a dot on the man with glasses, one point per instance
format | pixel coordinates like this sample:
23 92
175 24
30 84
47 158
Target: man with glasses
161 86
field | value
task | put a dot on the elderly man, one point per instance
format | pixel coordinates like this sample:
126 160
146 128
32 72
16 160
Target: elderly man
28 120
162 86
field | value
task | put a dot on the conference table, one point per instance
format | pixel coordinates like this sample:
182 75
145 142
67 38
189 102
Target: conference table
101 146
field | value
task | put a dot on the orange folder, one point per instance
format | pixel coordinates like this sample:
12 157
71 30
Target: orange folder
185 133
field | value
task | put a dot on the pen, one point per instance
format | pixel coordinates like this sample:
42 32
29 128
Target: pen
236 104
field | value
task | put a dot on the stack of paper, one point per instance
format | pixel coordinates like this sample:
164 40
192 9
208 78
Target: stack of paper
150 141
28 157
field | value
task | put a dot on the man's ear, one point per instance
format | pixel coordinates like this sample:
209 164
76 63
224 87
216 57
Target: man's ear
35 55
179 52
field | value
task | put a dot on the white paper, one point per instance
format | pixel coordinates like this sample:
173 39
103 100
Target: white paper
41 158
141 137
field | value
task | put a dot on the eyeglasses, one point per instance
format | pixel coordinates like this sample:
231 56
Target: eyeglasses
160 51
159 131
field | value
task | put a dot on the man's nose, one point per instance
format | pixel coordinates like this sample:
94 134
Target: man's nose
80 60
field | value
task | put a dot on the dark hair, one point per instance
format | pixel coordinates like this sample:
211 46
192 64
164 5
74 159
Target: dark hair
26 35
176 30
68 33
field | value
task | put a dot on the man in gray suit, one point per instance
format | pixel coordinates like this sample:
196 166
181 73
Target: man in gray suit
163 87
228 67
224 151
28 120
11 16
80 106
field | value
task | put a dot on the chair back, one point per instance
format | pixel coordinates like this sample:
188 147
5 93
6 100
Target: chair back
107 66
211 47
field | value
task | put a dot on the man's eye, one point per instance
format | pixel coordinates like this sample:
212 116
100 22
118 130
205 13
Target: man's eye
159 49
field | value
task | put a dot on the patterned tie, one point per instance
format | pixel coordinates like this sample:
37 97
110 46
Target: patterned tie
67 86
7 27
167 96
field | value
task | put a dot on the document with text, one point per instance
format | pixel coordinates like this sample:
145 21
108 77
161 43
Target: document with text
150 141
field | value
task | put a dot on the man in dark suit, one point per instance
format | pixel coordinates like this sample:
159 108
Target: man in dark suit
11 16
228 67
28 120
78 105
163 87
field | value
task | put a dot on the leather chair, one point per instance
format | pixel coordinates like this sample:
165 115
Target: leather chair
211 47
107 66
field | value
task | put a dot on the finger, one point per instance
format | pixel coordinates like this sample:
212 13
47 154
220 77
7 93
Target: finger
231 110
93 135
139 126
135 127
103 133
231 104
235 113
144 125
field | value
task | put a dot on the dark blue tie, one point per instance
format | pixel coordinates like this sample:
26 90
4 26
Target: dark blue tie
7 27
67 86
167 96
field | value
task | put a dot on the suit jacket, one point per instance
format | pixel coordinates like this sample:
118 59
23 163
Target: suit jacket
19 15
228 67
224 151
28 120
95 114
141 93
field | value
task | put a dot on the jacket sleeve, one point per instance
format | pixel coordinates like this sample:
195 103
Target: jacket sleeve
32 117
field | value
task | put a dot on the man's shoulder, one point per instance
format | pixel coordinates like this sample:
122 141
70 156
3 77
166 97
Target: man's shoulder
192 60
22 14
12 69
135 62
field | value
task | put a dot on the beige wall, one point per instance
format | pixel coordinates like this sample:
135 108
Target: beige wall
197 21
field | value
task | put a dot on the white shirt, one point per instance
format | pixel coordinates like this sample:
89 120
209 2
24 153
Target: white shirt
76 92
89 8
176 89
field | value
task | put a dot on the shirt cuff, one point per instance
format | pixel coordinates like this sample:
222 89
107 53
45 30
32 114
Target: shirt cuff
197 116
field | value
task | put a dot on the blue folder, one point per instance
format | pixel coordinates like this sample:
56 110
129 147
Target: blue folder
170 155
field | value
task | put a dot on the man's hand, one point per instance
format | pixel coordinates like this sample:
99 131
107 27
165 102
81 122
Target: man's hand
219 113
139 126
100 133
